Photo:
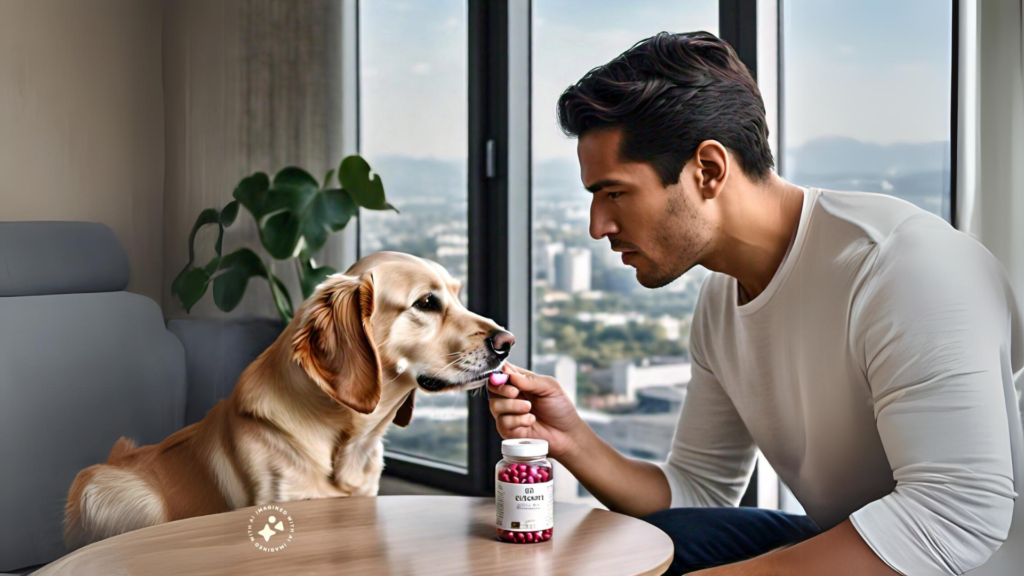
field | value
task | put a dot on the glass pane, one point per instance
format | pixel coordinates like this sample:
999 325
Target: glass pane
620 349
413 129
866 99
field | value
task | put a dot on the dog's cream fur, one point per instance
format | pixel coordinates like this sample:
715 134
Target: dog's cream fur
306 419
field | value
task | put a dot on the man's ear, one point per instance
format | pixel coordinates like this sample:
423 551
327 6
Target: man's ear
334 342
713 165
404 415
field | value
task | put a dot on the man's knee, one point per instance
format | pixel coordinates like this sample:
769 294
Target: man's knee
688 529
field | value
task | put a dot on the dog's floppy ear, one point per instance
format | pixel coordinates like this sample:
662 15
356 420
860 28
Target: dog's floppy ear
404 415
334 343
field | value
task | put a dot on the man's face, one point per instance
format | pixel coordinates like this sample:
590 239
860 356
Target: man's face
660 230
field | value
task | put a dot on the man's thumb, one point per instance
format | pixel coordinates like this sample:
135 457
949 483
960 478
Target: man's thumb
524 380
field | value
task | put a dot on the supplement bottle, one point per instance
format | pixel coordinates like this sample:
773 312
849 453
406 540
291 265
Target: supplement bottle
524 492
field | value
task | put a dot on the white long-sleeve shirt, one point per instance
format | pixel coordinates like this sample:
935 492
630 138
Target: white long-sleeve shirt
874 373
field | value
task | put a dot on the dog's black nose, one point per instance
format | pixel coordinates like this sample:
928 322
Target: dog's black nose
501 342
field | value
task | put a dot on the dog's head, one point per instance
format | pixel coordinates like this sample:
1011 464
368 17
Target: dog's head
392 320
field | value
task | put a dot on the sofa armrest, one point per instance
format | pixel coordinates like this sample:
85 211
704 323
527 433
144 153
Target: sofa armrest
216 353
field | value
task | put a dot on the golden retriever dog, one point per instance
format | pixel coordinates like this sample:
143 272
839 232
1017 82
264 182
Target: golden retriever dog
306 419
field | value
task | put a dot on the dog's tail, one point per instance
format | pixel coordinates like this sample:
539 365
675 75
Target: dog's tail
121 447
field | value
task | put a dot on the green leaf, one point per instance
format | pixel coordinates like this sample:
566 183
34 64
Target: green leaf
212 266
329 212
251 192
227 217
312 277
386 206
229 213
284 206
282 299
280 234
296 181
354 175
191 285
208 216
238 267
327 178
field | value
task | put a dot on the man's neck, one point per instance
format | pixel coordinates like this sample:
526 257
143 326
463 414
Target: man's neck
758 223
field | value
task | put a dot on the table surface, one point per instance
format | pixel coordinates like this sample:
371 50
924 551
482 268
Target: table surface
407 535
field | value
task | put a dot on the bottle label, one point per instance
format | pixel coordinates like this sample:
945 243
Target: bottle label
526 507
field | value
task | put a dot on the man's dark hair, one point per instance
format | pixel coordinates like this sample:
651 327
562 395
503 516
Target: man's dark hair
668 94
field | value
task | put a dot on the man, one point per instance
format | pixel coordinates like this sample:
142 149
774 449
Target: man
862 344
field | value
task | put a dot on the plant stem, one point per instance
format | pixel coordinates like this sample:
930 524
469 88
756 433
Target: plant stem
298 269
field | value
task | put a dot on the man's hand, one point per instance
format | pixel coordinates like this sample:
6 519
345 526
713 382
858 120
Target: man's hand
534 406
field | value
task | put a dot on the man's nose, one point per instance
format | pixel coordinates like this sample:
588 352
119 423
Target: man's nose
501 342
600 224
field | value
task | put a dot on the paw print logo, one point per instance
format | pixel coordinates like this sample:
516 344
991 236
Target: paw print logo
277 524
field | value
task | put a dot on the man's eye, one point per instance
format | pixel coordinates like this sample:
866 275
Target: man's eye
614 195
429 303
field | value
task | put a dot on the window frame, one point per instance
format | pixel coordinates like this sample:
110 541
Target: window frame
499 190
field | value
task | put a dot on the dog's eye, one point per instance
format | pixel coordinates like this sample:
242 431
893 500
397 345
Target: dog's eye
429 303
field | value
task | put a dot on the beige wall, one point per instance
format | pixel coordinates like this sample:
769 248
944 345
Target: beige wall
81 121
249 85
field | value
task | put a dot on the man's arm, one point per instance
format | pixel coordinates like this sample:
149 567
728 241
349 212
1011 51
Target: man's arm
534 406
932 329
625 485
710 462
934 335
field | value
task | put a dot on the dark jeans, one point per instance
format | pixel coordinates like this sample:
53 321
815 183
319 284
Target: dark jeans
706 537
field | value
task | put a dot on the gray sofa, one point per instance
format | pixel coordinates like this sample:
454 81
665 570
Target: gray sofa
82 362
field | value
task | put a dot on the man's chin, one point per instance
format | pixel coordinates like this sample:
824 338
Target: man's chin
652 281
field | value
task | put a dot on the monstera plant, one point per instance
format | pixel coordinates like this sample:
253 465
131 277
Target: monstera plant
295 215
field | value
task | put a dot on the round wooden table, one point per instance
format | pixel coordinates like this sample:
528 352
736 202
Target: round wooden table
404 535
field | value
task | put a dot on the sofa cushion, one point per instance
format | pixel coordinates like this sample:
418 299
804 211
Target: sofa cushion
60 258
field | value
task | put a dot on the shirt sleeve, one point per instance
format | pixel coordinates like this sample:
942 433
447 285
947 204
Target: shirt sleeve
712 454
934 333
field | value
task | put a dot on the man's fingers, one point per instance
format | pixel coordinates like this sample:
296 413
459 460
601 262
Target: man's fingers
506 390
502 406
510 368
527 382
509 422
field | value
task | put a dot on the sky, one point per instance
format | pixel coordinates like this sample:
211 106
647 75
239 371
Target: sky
872 70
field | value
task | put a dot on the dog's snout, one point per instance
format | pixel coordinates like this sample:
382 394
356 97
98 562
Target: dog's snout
501 342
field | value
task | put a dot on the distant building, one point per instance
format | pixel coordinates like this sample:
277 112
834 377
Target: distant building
559 366
628 377
646 436
547 255
563 369
611 318
660 399
671 325
572 270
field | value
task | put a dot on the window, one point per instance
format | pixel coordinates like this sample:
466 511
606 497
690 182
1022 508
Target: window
619 349
457 113
413 125
866 100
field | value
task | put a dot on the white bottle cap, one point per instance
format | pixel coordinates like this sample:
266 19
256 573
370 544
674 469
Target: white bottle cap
524 447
